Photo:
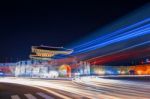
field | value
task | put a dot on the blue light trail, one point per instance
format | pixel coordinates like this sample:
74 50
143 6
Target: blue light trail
133 31
131 47
124 34
108 36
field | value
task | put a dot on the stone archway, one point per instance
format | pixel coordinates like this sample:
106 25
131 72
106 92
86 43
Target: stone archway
67 69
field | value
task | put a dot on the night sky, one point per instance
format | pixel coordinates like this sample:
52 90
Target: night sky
60 23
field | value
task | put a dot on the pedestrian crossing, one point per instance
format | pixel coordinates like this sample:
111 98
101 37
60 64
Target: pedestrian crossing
44 95
15 97
31 96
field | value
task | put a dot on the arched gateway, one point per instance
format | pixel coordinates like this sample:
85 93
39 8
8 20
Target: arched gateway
65 70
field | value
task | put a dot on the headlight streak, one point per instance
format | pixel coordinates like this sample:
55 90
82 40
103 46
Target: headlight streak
32 84
129 36
47 85
119 35
114 33
126 33
74 89
89 87
109 37
130 47
123 89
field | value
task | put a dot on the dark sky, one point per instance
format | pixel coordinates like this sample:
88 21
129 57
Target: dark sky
60 23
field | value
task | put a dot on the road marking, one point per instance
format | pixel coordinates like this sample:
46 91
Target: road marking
15 97
44 95
53 92
30 96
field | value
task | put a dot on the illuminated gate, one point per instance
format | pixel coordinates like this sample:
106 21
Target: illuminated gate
65 70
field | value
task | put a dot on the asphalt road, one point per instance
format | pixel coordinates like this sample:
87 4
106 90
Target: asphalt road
18 91
83 88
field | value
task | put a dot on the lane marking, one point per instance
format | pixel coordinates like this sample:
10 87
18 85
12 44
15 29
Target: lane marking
53 92
15 97
44 95
30 96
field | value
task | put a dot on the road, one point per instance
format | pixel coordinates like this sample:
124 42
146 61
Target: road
15 91
83 88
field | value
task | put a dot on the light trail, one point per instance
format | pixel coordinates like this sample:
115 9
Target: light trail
126 37
122 89
108 36
88 88
121 50
120 35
